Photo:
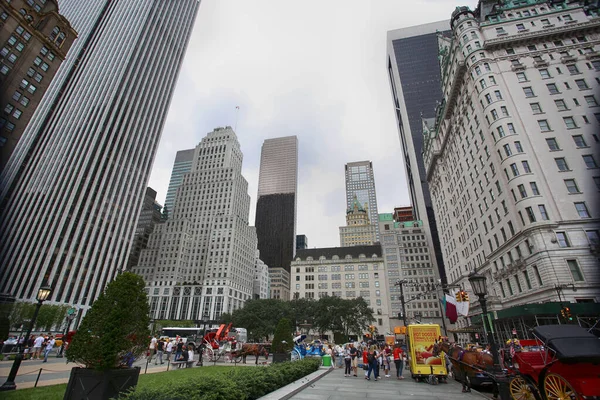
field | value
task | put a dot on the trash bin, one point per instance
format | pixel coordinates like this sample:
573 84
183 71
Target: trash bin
326 360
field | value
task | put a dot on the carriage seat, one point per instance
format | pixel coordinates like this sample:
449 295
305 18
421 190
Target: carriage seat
530 360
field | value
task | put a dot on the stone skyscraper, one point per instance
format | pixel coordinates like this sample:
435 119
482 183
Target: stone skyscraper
71 193
276 203
202 259
35 40
360 185
414 74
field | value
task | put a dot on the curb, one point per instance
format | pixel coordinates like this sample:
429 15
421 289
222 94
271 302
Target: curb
295 387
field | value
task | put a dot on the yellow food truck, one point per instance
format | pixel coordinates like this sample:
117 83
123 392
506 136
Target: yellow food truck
423 364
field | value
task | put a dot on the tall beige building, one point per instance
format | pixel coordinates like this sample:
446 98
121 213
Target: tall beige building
358 230
35 39
512 156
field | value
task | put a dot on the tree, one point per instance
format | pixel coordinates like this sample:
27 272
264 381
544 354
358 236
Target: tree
260 317
116 326
283 340
358 317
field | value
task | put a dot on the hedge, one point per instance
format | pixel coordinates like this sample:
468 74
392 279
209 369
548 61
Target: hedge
246 383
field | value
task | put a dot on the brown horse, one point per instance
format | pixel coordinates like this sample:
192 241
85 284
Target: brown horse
252 349
465 363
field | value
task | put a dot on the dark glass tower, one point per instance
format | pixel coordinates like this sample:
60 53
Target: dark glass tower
414 73
276 205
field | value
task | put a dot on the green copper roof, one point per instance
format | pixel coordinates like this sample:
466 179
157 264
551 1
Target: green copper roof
386 217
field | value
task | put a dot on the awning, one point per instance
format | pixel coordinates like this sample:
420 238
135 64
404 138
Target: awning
468 329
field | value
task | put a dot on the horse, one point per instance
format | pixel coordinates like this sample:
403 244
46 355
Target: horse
464 361
252 349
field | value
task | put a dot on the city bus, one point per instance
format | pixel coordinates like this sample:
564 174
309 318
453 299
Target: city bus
189 335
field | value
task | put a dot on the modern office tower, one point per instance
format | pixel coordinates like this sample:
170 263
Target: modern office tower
301 242
414 73
403 214
276 203
346 272
201 260
181 166
72 191
149 217
360 183
280 283
358 230
408 257
512 157
35 39
261 286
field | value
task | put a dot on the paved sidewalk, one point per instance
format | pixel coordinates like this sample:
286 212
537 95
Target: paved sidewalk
334 386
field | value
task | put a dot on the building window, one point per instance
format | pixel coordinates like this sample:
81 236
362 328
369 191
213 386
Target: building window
538 277
502 289
593 237
582 210
527 281
510 289
536 108
522 191
552 144
528 91
514 169
575 270
581 84
545 74
590 161
561 163
521 27
544 126
552 88
543 212
530 214
591 101
571 186
507 150
526 167
562 239
579 141
570 122
561 105
521 77
534 188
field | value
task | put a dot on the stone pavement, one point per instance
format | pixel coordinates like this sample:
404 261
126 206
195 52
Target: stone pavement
334 386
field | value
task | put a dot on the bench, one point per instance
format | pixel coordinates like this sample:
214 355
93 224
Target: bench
188 364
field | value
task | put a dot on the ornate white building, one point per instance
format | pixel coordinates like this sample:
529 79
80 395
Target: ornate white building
358 230
512 155
202 259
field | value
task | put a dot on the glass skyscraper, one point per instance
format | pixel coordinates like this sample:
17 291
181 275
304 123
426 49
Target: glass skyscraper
71 193
360 182
276 204
414 73
182 165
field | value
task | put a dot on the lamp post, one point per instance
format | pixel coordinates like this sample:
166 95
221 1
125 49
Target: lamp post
42 295
479 286
205 318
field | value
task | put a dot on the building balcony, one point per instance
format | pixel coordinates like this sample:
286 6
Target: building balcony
517 67
539 64
566 59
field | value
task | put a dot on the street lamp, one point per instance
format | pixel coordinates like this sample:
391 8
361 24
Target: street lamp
479 286
42 295
205 318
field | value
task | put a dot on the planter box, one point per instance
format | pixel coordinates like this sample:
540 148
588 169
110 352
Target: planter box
280 357
90 384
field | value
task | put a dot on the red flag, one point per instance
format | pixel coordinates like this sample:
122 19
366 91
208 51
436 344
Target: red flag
451 312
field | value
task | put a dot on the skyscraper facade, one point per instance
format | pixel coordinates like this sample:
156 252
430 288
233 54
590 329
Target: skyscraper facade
360 183
414 74
276 204
35 40
181 166
202 260
513 155
150 215
71 193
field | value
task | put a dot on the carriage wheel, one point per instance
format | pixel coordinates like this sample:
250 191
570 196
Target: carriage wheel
520 389
217 355
295 356
557 388
237 358
208 353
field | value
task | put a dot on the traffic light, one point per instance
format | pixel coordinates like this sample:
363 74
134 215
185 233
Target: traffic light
465 296
563 313
568 315
459 295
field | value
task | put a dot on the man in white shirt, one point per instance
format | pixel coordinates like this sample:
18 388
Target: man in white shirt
152 347
37 347
169 350
49 346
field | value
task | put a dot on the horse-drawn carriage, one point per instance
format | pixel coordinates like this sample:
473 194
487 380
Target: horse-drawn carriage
301 349
561 363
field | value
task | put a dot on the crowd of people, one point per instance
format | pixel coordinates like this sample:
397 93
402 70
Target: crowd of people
371 357
168 348
37 347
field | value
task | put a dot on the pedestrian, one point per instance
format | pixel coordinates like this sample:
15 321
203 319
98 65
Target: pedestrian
37 347
372 363
178 350
169 349
49 346
398 360
348 361
386 360
329 352
339 353
190 354
152 348
354 358
365 360
159 352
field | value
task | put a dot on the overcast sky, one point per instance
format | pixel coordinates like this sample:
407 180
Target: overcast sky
314 69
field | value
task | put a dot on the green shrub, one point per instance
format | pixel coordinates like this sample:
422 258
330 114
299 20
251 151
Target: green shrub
283 340
115 327
247 383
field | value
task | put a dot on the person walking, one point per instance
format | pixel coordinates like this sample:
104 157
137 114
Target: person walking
354 358
178 350
372 362
49 346
365 360
398 360
37 347
386 360
152 348
169 349
329 352
348 361
159 352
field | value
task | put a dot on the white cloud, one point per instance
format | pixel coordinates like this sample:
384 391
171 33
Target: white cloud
315 69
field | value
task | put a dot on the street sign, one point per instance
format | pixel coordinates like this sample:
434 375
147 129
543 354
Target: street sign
71 311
